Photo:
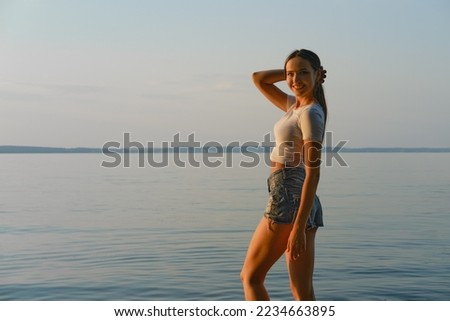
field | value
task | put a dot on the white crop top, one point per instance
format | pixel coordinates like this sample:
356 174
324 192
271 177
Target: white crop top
297 125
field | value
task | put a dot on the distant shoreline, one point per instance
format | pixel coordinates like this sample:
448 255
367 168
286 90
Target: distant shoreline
11 149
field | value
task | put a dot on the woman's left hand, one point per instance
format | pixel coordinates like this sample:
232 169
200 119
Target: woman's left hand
296 245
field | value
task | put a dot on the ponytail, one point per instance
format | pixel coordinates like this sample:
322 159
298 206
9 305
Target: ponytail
319 94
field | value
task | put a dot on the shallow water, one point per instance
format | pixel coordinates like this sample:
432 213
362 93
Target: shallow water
72 230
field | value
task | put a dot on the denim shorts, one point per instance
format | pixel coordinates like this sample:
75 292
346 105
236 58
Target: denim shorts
285 187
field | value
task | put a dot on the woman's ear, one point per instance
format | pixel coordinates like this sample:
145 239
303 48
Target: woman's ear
318 75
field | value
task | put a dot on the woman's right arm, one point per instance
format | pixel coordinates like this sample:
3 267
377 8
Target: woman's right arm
265 80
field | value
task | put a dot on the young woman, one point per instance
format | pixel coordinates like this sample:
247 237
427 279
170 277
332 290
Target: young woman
293 212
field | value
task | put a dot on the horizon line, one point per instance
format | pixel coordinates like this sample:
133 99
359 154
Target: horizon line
12 149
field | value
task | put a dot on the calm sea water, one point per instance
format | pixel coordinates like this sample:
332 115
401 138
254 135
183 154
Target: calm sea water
72 230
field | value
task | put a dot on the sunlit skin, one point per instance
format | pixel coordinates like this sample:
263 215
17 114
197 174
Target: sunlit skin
270 241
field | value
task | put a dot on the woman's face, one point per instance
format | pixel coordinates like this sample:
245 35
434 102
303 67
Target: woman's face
301 77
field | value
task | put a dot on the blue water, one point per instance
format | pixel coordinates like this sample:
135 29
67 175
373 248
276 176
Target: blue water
72 230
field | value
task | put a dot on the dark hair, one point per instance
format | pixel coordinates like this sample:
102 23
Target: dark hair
314 60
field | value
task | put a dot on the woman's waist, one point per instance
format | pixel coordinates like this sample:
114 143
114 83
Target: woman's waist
275 166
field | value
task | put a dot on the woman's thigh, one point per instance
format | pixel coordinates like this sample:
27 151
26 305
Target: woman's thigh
266 246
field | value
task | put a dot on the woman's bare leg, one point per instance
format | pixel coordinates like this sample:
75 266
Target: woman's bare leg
266 246
301 271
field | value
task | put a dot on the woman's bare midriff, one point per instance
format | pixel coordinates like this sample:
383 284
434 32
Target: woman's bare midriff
276 166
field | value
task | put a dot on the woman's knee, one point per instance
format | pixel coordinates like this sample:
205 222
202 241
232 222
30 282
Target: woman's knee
252 277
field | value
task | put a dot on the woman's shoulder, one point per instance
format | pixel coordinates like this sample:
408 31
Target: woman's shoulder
313 113
315 107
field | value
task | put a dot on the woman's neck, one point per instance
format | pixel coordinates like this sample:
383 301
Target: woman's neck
304 101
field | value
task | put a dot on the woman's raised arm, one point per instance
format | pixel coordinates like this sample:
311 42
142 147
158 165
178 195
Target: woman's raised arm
265 81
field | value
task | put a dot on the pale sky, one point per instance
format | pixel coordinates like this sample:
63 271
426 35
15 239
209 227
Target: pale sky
81 73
